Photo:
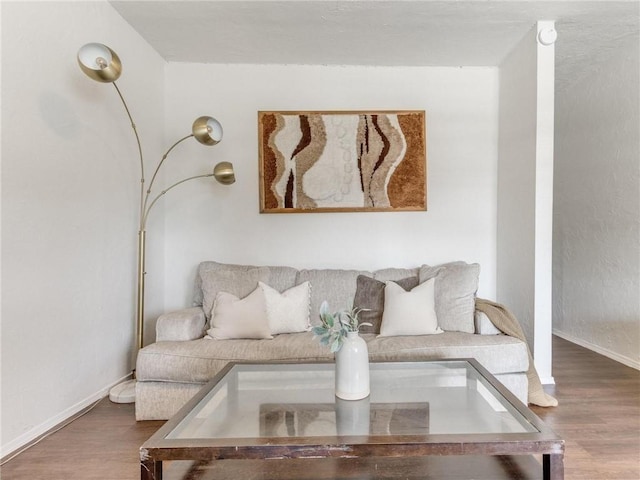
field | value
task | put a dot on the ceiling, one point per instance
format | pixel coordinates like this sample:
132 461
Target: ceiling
375 32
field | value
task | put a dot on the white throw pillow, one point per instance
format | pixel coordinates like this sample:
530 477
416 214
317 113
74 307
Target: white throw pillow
232 317
409 313
287 312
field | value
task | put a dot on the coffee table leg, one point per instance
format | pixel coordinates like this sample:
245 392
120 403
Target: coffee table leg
553 466
150 470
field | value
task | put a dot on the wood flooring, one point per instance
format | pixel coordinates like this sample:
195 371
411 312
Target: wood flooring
598 416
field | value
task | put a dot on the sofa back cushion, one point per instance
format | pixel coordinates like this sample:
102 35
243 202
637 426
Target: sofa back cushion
337 287
395 274
238 280
455 294
455 287
230 281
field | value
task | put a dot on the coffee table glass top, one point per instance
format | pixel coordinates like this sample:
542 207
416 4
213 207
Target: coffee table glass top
407 398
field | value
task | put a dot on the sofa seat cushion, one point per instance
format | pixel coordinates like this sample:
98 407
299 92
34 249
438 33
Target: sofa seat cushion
497 353
198 361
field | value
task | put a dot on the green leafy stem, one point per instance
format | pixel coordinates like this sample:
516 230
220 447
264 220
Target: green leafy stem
335 326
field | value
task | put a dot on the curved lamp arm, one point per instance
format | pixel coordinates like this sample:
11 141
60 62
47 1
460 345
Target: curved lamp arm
223 173
207 131
146 213
135 132
143 205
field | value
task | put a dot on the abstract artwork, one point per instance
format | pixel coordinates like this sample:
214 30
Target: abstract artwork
342 161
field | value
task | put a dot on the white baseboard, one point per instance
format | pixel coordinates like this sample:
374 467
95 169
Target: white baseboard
39 430
598 349
547 380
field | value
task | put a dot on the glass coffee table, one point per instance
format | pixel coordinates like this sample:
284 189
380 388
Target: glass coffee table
288 411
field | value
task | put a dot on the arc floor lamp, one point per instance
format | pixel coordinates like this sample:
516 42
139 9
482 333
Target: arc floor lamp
102 64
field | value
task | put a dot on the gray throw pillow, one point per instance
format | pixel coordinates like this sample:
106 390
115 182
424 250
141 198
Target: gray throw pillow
370 295
455 294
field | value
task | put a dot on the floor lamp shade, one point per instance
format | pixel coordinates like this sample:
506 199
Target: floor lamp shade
223 173
207 130
99 62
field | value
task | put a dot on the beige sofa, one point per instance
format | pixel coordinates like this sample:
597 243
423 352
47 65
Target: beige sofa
184 357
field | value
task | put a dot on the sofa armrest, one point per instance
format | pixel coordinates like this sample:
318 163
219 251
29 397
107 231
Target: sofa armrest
484 326
181 325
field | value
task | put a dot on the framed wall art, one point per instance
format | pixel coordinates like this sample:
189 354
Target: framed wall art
342 161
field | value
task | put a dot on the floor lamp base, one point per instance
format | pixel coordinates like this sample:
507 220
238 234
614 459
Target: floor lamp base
124 392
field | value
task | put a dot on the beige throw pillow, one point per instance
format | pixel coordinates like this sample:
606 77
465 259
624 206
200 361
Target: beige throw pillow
237 281
409 313
287 312
232 317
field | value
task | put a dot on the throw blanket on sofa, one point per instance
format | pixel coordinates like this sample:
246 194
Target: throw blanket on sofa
507 323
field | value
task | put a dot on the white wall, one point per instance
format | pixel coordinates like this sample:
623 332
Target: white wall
70 179
210 222
597 207
516 182
525 186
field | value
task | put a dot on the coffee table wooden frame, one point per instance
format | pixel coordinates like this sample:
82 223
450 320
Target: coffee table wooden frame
544 442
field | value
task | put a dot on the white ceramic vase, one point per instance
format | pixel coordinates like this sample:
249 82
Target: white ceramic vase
353 417
352 368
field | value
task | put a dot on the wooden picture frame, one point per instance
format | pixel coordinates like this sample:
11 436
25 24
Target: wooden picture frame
352 161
